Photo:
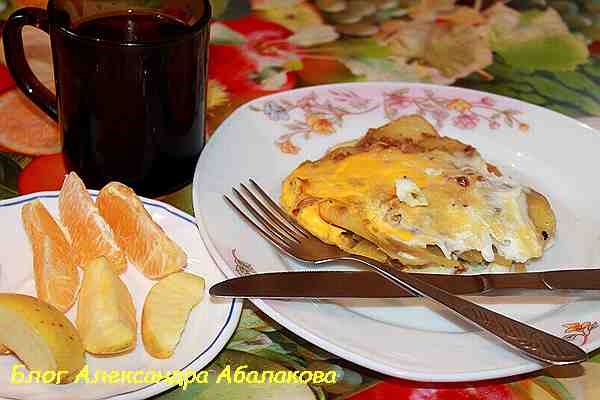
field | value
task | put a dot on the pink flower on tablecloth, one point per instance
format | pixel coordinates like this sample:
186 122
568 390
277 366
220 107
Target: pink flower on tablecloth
465 120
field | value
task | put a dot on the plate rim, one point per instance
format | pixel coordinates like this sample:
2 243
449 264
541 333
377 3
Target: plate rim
202 359
320 340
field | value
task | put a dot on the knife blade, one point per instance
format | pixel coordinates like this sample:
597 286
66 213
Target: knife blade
354 284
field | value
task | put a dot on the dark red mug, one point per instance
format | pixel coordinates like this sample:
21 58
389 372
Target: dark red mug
130 86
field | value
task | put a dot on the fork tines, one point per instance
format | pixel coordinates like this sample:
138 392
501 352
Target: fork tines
269 219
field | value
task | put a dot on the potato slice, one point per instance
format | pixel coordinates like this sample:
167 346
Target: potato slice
41 336
472 256
338 214
354 189
541 215
105 313
412 128
166 311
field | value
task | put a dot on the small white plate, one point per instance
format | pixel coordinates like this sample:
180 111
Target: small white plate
211 323
409 338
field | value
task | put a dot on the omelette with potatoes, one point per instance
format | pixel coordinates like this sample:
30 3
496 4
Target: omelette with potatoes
404 194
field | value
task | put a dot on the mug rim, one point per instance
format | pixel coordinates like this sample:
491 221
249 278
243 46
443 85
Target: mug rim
196 29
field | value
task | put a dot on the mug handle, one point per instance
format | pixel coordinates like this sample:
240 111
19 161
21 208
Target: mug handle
17 63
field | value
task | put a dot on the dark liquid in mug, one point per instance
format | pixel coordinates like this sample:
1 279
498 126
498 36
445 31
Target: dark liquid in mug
134 112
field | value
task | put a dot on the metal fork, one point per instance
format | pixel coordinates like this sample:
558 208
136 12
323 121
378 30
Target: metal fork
284 233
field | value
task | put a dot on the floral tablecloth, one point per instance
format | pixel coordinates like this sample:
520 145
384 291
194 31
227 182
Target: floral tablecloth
545 52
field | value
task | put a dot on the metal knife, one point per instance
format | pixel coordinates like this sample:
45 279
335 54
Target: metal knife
350 284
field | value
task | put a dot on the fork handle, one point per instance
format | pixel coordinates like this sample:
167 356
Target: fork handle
537 344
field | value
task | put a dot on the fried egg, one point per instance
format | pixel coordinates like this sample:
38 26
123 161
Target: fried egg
404 193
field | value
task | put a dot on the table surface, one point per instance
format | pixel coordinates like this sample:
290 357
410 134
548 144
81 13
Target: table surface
545 52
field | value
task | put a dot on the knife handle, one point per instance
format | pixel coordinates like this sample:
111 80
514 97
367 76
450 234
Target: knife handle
535 343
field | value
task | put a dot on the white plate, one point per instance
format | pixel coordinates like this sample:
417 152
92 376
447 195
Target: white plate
408 338
211 323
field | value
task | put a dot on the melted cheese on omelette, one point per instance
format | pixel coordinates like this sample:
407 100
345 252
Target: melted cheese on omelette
420 204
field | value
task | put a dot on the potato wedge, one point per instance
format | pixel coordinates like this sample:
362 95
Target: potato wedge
541 215
338 214
472 256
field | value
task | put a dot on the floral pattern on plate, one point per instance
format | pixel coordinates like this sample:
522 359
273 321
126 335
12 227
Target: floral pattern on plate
316 114
580 331
241 267
464 114
320 116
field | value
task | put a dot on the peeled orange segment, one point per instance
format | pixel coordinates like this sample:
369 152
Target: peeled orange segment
41 336
166 311
105 312
144 241
91 236
55 272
